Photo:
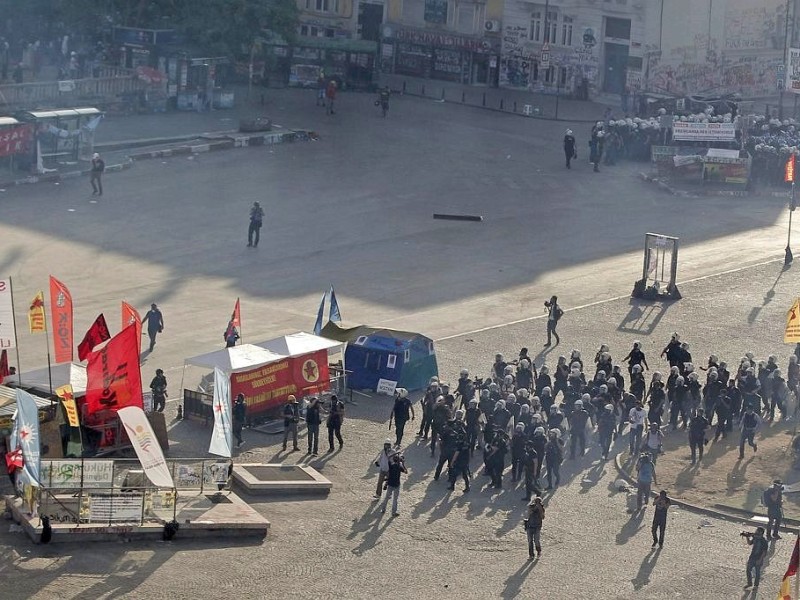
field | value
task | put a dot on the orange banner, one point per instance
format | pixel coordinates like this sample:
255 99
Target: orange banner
68 399
130 316
36 320
61 321
112 373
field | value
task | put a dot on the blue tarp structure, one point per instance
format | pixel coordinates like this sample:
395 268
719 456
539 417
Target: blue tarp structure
373 354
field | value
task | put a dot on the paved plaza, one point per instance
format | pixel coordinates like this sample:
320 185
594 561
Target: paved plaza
354 210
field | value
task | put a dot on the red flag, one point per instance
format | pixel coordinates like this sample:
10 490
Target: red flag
131 316
61 321
13 460
236 320
785 593
113 377
97 334
4 370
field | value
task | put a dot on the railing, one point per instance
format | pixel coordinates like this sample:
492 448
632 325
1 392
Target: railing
32 95
117 491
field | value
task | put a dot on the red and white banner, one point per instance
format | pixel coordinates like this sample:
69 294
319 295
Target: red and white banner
269 386
113 377
131 316
15 140
8 332
61 321
97 334
144 442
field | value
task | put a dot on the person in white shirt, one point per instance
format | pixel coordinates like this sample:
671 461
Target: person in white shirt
636 417
653 441
382 462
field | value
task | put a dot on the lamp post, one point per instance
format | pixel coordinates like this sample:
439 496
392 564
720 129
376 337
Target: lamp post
788 176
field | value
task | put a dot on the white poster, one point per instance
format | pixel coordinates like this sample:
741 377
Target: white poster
793 75
146 446
386 386
72 474
222 436
8 336
703 132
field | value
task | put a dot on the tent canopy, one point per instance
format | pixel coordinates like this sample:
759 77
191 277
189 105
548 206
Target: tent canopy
385 336
297 344
236 359
70 373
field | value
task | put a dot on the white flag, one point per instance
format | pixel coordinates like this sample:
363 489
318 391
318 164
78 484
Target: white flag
222 436
146 446
26 427
8 334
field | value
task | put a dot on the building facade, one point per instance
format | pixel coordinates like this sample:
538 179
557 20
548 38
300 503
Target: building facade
576 47
451 40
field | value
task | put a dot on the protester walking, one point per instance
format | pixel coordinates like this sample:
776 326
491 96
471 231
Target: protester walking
291 417
256 220
645 478
661 505
158 386
239 417
96 174
313 421
396 468
569 147
533 527
335 420
554 314
155 324
382 462
749 426
401 411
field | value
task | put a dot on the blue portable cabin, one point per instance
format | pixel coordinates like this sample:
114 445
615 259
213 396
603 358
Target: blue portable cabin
373 353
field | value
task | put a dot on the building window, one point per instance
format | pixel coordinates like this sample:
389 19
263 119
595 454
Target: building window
549 74
552 26
562 76
618 28
465 23
566 31
323 5
303 29
391 361
536 26
308 4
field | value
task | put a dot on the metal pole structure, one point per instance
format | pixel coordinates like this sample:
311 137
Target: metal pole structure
788 258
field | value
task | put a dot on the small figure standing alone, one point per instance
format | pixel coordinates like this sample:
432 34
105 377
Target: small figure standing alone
159 388
569 147
256 220
155 324
533 526
661 504
96 174
239 416
554 314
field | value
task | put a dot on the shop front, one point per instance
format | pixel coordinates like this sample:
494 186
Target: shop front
438 55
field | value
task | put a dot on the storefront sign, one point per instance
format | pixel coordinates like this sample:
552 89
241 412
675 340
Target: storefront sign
442 40
703 132
15 140
74 474
269 386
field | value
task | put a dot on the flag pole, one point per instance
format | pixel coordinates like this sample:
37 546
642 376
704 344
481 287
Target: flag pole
241 334
47 340
797 575
14 320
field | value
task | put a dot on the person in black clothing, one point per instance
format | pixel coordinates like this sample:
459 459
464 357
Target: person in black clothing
472 421
569 147
496 457
447 446
773 499
554 314
606 422
577 427
723 408
672 350
755 561
553 457
155 324
530 463
517 452
313 421
427 403
396 467
383 100
533 526
400 414
459 466
96 174
441 415
256 221
635 357
661 505
697 434
159 389
335 420
239 417
733 394
291 417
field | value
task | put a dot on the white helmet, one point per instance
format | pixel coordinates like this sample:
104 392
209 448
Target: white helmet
539 431
464 373
401 392
578 403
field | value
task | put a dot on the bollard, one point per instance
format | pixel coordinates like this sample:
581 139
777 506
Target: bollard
423 90
464 97
484 98
501 104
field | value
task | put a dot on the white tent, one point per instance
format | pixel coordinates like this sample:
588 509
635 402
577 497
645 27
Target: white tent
297 344
62 374
236 359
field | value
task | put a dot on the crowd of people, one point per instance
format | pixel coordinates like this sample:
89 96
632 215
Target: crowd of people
534 418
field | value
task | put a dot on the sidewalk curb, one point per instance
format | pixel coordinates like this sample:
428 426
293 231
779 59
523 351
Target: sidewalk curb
713 193
223 142
702 510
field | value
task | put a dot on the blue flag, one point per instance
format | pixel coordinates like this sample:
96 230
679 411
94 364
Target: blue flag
318 324
335 315
26 437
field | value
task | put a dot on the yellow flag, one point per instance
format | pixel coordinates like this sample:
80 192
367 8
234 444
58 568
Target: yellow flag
36 314
68 399
792 333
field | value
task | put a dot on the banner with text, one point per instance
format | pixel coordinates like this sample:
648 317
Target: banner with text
68 400
112 374
61 321
146 446
703 132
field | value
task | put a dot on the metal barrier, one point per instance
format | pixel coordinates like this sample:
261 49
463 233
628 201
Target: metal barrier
31 95
117 491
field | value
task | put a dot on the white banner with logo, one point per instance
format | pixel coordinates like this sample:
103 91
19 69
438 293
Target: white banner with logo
703 132
8 335
74 474
146 446
222 436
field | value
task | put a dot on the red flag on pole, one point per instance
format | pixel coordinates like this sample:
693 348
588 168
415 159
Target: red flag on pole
785 593
235 322
97 334
4 370
113 378
131 316
61 321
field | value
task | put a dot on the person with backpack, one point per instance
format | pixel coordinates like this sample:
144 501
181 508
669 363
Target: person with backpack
749 426
645 478
773 500
554 314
